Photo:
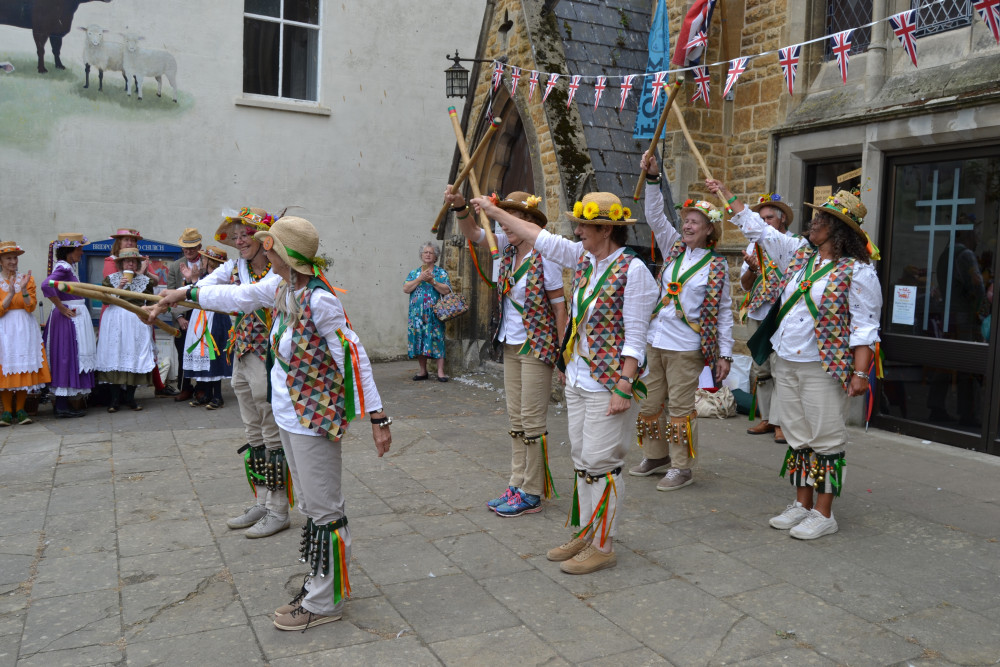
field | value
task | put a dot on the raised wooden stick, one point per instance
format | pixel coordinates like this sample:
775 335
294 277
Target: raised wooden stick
656 136
697 153
473 181
80 289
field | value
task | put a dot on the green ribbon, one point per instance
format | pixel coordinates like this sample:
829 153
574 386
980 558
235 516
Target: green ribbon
348 378
305 260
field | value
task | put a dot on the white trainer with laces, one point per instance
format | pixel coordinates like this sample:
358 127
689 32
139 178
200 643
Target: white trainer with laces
791 517
813 526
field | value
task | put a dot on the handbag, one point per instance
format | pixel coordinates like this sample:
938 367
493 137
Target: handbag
720 404
450 306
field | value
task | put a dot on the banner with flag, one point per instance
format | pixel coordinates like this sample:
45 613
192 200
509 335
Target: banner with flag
903 26
693 37
659 59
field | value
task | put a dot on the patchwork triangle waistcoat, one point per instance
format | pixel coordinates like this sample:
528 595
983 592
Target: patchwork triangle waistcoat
833 326
765 284
605 327
537 315
315 382
250 330
718 267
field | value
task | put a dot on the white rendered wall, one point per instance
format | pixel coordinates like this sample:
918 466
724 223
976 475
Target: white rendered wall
369 175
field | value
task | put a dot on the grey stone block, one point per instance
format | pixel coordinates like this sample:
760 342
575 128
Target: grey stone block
71 622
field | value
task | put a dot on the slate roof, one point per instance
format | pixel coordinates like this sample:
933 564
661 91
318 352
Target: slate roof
609 37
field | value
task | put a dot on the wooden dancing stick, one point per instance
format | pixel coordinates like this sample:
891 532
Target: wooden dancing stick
473 181
111 300
697 153
149 298
656 136
494 126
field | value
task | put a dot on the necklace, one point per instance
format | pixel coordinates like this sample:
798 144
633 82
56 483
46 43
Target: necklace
257 276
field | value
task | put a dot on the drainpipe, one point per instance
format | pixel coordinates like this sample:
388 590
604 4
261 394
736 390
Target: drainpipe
876 66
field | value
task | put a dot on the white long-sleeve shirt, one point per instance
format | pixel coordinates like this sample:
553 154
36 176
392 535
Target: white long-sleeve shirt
328 316
512 331
795 339
640 295
668 331
223 272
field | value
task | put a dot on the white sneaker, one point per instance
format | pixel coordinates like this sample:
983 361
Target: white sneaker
250 516
813 526
791 517
268 526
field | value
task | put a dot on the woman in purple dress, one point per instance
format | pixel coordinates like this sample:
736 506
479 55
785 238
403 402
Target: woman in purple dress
69 334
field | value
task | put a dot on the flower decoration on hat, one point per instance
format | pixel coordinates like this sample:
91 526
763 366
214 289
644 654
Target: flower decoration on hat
768 198
591 210
578 209
601 208
533 200
705 208
494 199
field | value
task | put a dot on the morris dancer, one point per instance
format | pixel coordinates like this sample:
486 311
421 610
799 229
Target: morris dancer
692 325
320 380
69 334
758 275
205 359
827 326
613 294
532 313
263 455
125 344
23 366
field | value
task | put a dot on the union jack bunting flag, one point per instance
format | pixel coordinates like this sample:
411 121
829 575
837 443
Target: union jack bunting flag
788 58
497 75
532 84
549 85
602 83
700 39
626 87
989 12
904 24
842 49
658 85
574 85
701 80
515 76
736 67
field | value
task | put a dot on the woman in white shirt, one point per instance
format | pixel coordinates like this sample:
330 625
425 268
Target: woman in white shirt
827 327
612 296
532 319
692 325
320 379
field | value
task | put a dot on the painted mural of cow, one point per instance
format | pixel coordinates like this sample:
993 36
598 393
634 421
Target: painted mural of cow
47 19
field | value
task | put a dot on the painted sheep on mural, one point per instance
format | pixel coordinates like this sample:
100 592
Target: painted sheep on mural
105 55
47 19
140 63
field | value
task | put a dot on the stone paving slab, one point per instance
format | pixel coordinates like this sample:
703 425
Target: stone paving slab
114 550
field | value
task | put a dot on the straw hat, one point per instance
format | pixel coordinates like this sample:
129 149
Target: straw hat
774 201
296 241
601 208
214 254
127 233
845 206
525 203
9 247
249 216
190 238
129 253
70 239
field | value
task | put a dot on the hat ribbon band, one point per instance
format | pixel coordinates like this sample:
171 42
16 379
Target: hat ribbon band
315 263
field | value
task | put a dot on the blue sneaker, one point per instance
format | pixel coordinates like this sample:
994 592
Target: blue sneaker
520 503
497 502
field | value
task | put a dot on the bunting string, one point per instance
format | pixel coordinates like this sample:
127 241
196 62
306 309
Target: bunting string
902 24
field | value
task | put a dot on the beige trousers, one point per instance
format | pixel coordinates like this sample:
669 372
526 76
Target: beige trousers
813 406
598 444
527 381
672 378
250 386
763 374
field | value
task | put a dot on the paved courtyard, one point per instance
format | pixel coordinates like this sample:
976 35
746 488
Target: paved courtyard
114 550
